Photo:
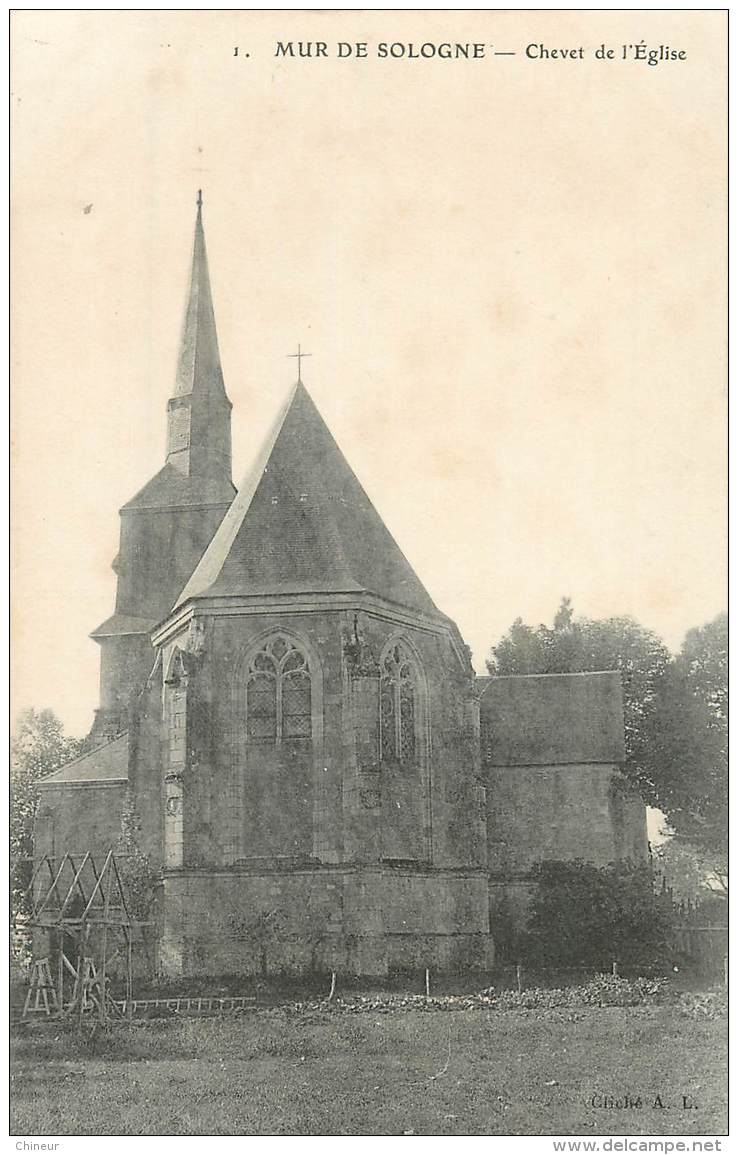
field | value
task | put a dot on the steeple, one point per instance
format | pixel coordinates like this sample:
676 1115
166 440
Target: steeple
199 412
167 525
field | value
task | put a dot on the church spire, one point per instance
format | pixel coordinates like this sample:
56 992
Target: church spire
199 425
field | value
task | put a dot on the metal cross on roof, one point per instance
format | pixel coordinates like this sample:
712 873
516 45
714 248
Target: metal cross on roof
299 354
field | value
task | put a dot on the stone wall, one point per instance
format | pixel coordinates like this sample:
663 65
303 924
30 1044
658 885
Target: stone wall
552 747
359 921
330 799
145 767
544 813
535 813
335 858
159 549
73 818
125 663
628 813
364 862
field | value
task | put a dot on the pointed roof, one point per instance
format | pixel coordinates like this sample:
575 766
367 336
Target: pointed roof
199 367
301 523
197 470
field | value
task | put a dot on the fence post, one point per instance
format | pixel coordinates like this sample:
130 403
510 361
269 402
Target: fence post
427 983
129 976
519 977
614 968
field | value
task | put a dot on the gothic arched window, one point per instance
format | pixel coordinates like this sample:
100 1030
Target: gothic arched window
398 707
278 694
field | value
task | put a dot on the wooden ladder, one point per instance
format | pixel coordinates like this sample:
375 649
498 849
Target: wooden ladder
41 990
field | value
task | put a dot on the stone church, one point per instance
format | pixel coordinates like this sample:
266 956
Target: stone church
299 730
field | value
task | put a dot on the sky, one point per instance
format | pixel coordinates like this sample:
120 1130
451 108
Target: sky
509 272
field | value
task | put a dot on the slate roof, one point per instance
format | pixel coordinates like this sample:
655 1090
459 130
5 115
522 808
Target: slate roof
199 368
105 763
169 488
549 719
200 381
119 624
302 522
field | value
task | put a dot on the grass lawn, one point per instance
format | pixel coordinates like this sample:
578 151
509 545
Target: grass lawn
472 1071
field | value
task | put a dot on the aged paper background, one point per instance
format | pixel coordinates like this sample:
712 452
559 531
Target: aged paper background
510 274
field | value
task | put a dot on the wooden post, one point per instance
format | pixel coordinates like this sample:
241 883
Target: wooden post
427 983
60 979
29 994
333 985
519 977
81 988
83 972
129 975
103 994
614 968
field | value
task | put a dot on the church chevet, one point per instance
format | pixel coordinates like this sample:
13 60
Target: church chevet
299 731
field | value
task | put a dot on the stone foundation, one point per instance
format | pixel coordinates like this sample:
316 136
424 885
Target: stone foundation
364 921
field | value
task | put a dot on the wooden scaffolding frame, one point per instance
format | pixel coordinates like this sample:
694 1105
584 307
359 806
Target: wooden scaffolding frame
72 897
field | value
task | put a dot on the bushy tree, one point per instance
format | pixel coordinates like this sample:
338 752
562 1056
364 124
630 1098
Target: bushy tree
38 747
704 655
683 760
521 651
583 915
700 815
688 873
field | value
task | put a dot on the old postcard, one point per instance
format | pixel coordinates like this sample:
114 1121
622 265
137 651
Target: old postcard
369 655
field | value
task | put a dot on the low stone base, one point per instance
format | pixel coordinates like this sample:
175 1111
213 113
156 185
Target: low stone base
361 921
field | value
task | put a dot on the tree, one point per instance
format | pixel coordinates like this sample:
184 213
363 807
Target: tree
686 753
705 657
39 746
688 873
521 651
684 761
674 707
